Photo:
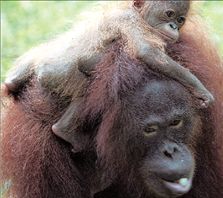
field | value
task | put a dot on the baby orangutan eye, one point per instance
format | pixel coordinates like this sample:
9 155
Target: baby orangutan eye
176 123
170 13
150 130
181 20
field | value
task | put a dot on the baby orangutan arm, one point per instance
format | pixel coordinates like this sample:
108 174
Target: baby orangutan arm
159 61
141 40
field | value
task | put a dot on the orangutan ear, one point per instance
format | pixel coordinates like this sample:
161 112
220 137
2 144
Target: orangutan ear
138 3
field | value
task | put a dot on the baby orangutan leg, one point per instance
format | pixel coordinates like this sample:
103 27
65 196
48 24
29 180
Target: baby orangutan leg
63 127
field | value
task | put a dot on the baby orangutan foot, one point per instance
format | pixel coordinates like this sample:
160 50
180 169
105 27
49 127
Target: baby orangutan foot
62 127
60 131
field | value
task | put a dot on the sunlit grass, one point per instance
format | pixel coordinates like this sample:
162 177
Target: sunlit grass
25 24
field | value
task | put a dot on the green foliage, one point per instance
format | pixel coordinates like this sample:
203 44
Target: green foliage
212 11
28 23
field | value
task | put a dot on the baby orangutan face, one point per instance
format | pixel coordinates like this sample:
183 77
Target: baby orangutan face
167 17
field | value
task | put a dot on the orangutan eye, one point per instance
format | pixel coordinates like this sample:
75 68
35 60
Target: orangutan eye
151 129
170 13
181 20
176 123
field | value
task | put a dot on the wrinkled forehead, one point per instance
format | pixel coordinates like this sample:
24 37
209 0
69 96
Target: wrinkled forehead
161 96
179 6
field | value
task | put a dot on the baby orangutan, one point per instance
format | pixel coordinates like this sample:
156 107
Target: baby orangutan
146 26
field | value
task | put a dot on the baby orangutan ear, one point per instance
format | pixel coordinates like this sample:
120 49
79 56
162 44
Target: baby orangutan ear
138 3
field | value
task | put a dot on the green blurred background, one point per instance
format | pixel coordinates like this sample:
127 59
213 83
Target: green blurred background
25 24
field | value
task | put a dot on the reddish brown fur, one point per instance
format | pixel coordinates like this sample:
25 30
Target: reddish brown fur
201 57
32 156
40 165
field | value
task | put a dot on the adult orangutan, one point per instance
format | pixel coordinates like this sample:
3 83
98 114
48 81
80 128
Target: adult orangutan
140 134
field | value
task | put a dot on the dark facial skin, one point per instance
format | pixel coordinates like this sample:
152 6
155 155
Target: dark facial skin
167 17
166 129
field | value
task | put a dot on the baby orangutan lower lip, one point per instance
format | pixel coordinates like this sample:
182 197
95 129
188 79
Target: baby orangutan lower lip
180 186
